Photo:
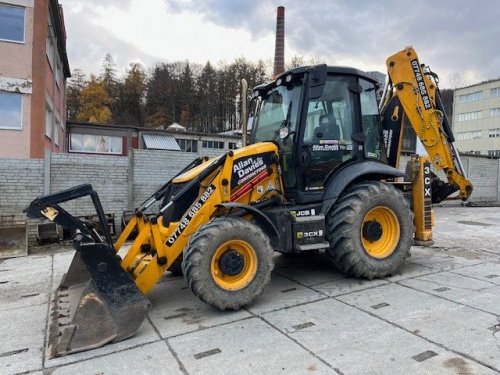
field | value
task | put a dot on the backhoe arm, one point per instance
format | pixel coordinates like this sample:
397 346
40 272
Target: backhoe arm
412 95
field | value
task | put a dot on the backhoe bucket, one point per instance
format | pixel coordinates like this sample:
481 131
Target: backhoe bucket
97 302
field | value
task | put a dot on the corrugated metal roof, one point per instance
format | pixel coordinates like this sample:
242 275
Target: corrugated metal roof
160 142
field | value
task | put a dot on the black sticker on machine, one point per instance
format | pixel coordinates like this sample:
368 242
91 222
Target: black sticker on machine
392 128
193 210
421 84
246 168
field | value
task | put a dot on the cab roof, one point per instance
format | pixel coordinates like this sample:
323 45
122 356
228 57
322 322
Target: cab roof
340 70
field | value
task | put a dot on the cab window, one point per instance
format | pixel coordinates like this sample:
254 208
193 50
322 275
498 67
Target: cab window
328 130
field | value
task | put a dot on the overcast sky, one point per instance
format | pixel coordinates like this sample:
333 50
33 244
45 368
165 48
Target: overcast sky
456 38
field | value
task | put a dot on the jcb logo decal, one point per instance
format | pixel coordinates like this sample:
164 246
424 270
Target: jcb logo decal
311 212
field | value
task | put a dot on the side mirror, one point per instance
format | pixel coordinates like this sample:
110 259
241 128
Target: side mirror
317 79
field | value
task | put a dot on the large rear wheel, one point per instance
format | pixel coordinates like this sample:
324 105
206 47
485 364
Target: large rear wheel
370 230
228 262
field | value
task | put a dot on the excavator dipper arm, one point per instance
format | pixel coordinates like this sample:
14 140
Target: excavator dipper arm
413 95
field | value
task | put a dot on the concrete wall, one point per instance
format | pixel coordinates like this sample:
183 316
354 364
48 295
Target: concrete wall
108 175
152 168
123 182
21 181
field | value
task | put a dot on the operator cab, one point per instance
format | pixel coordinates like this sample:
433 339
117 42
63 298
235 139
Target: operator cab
321 118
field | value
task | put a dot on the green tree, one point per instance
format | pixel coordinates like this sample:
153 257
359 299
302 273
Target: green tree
73 90
129 105
108 74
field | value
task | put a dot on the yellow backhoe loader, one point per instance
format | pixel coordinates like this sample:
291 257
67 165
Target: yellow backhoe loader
319 172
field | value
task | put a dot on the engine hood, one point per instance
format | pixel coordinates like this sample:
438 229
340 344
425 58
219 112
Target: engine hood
250 150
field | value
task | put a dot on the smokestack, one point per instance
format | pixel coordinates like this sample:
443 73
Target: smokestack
279 48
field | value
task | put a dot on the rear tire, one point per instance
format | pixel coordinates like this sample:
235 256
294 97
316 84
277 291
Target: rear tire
228 263
370 230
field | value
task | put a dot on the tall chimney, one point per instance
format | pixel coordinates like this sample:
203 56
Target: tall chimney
279 48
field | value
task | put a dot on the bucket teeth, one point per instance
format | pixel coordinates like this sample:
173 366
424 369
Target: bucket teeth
91 308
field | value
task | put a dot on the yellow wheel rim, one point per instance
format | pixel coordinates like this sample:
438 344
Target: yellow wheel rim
380 232
243 252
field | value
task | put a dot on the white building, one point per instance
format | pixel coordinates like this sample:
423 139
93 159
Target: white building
476 118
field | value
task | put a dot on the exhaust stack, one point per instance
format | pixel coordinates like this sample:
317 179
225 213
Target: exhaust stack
279 49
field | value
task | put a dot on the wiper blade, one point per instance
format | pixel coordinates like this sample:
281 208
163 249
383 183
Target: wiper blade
285 123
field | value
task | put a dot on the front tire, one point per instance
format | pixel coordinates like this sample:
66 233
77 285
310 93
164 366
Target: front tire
228 263
370 230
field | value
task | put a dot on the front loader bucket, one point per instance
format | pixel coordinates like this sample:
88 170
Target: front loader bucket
97 302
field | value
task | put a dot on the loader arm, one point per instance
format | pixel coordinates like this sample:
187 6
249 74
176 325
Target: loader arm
412 94
102 298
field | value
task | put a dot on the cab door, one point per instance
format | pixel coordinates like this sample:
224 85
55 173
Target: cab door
328 129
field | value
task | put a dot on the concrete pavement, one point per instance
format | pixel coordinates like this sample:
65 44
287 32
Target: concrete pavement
440 315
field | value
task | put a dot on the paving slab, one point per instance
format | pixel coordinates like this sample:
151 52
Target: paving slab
145 359
146 334
176 310
248 346
346 285
283 293
489 272
25 263
21 344
410 270
356 343
476 293
472 229
311 274
457 327
439 259
25 287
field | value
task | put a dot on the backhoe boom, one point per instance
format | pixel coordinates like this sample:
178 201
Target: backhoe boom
412 95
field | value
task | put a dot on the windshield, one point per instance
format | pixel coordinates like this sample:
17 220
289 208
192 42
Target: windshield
277 112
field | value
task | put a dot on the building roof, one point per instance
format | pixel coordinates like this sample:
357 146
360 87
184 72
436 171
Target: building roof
479 84
342 70
160 142
82 125
57 15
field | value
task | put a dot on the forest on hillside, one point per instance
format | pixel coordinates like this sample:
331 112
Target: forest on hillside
200 97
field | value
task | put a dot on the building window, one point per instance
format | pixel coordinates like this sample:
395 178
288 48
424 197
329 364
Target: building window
49 121
472 97
213 144
494 153
494 133
58 72
464 136
57 130
50 45
188 145
495 92
469 116
494 112
95 144
11 110
231 145
12 23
